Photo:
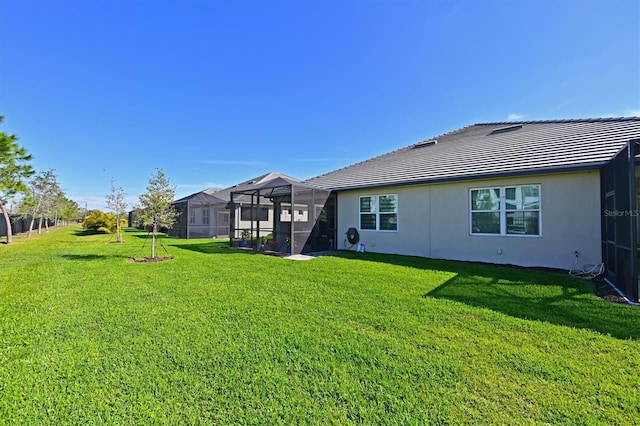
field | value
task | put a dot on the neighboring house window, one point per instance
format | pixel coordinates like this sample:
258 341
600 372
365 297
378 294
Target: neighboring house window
300 215
205 216
192 217
245 213
285 215
379 212
507 210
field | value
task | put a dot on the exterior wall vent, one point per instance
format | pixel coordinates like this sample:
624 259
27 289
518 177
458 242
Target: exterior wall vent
424 143
505 129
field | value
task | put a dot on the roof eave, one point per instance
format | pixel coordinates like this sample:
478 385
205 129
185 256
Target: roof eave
525 172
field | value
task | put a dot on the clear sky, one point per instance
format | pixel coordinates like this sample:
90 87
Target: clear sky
217 92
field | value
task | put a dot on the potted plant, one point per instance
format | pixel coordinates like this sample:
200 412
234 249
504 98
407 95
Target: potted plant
244 235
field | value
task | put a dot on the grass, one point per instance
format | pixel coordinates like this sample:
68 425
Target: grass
227 337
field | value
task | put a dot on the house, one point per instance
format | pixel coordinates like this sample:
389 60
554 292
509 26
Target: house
194 215
208 214
554 194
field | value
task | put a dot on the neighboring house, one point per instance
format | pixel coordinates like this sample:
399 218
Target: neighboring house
207 213
198 216
529 193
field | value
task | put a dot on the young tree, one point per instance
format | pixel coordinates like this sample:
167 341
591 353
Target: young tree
50 207
155 206
118 206
14 171
69 211
44 186
57 206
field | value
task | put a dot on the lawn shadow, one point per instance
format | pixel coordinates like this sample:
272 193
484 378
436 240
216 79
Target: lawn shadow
91 257
86 232
145 235
527 293
211 247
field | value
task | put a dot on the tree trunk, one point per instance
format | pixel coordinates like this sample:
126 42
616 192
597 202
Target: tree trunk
33 219
119 230
153 242
46 225
40 226
8 221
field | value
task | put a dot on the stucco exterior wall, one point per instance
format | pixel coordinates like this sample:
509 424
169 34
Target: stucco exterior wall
411 238
434 221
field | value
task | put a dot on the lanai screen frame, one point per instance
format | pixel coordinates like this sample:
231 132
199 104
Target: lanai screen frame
183 228
620 221
296 209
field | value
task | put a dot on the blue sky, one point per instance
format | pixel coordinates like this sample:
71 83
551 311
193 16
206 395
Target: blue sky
217 92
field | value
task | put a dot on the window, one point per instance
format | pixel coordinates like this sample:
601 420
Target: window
192 216
300 215
379 212
485 211
285 215
299 212
510 210
205 216
245 213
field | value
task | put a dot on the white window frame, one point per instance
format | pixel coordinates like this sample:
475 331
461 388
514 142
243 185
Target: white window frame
503 211
376 211
205 216
192 217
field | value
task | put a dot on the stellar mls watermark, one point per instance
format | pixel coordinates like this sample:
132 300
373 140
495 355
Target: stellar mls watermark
622 213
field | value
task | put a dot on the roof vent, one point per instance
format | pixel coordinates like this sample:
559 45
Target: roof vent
505 129
424 143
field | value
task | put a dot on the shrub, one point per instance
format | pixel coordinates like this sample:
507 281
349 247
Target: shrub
102 222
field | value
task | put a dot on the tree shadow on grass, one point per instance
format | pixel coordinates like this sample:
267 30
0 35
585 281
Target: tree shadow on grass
91 257
86 232
145 235
527 293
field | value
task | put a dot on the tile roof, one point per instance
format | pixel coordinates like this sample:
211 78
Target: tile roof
225 194
215 195
198 198
492 149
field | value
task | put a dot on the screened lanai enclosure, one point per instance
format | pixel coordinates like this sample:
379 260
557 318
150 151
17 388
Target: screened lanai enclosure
201 215
303 218
621 220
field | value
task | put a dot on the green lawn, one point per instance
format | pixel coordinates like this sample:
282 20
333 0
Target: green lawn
221 336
